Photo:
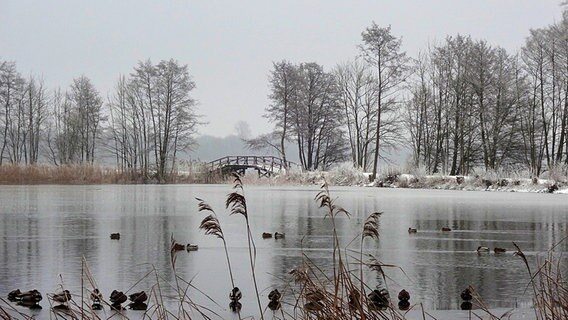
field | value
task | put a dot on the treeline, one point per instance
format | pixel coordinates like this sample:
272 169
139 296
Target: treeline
144 124
461 105
475 105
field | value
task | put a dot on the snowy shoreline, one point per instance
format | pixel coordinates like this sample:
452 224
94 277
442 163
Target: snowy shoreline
347 176
473 183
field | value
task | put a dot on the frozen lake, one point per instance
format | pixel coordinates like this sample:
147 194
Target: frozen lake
45 231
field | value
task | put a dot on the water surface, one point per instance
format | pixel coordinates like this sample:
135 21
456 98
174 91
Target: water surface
46 230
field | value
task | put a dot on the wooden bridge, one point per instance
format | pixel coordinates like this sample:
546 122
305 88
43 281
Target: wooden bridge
264 165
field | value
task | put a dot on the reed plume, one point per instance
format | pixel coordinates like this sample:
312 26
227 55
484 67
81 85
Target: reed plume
211 226
550 292
325 201
370 230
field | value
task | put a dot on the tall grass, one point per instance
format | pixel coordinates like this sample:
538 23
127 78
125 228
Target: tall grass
14 174
549 284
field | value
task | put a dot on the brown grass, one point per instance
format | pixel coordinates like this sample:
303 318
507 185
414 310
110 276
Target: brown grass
13 174
549 287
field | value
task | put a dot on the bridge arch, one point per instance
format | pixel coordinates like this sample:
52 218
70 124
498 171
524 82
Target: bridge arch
264 165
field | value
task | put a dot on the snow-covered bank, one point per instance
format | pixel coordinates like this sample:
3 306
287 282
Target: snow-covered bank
346 175
474 183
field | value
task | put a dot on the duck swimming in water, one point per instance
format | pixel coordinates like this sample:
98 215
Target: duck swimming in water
96 297
412 230
379 298
62 298
274 295
235 294
403 295
117 298
191 247
266 235
28 299
29 296
138 297
278 235
466 295
446 229
481 249
500 250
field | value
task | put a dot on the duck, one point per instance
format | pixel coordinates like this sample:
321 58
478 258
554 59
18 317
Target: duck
500 250
379 298
191 247
278 235
29 299
30 296
117 297
466 295
403 295
96 296
412 230
274 295
178 247
481 249
115 236
235 295
446 229
138 297
61 297
266 235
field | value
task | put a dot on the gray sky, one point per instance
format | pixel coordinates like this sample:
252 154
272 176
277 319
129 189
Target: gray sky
230 45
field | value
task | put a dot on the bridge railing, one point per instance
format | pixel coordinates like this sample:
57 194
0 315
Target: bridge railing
270 163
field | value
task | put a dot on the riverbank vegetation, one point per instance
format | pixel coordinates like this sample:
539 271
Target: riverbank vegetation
340 175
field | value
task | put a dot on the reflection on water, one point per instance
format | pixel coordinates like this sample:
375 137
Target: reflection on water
46 230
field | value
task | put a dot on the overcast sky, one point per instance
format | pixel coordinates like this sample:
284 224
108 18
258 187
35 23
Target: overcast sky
229 46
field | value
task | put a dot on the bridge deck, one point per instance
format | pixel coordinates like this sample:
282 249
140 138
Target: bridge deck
264 164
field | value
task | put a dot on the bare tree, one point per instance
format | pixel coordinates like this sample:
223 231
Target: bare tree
283 87
153 113
87 103
357 88
383 51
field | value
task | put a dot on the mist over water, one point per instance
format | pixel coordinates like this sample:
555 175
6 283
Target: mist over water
46 230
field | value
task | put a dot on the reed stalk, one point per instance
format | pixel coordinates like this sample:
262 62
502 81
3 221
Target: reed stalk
236 201
211 225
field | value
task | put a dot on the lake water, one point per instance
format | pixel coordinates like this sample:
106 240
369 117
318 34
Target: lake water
46 230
